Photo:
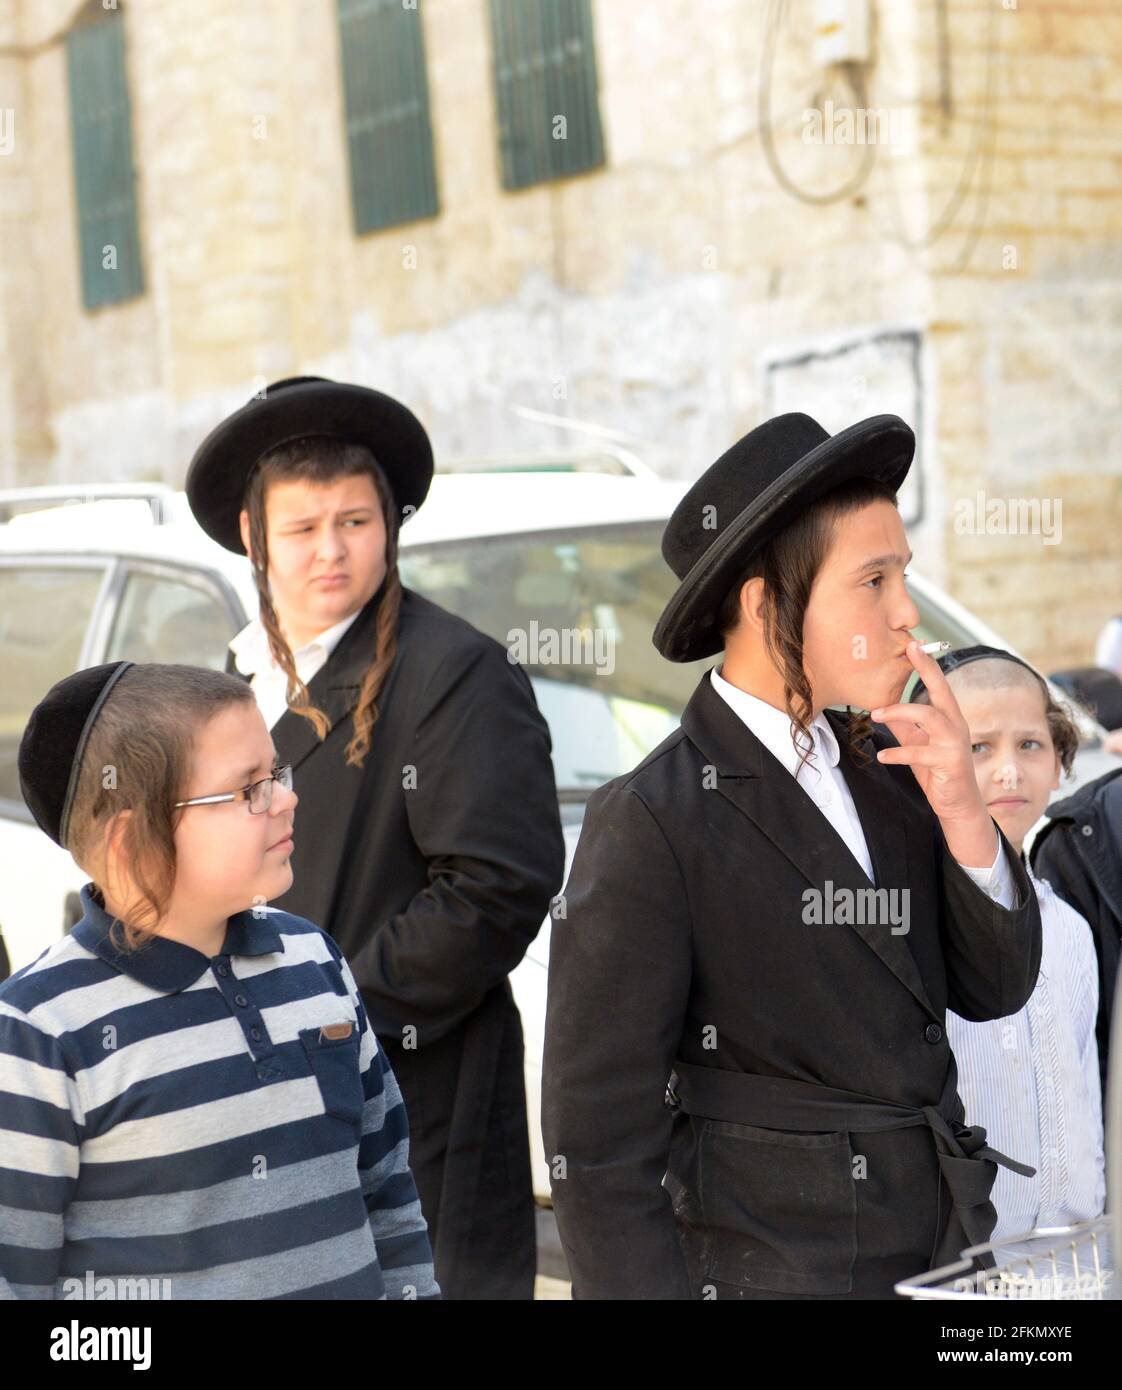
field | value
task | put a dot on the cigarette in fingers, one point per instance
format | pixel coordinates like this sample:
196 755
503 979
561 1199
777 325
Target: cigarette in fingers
935 648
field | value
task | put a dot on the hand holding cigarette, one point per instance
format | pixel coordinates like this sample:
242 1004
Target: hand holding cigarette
934 741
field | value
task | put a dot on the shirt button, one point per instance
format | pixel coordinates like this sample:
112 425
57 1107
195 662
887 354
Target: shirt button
933 1033
222 969
240 1000
255 1034
1086 830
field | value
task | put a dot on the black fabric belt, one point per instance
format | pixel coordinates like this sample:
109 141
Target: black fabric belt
781 1102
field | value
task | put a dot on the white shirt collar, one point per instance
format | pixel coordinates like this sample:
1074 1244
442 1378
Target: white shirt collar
773 726
251 645
1040 884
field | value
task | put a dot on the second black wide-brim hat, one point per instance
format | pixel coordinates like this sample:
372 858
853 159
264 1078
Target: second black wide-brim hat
748 496
296 408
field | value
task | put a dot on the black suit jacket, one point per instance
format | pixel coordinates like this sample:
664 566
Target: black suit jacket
684 938
433 867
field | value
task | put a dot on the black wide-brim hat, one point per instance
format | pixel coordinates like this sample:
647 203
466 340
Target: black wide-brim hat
296 408
747 497
50 752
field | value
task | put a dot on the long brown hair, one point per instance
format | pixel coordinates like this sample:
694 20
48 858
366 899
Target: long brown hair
320 459
138 759
788 565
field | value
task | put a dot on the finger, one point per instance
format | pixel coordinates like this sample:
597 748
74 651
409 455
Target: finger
913 755
931 673
932 721
910 735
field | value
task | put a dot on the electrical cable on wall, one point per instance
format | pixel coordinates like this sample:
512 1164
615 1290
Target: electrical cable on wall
979 153
981 147
856 79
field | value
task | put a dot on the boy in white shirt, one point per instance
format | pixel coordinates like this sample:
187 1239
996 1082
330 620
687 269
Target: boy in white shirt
1032 1079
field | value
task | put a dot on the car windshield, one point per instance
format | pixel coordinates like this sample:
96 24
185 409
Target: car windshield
577 609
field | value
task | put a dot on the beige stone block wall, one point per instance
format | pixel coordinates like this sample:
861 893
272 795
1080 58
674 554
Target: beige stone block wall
1030 345
646 295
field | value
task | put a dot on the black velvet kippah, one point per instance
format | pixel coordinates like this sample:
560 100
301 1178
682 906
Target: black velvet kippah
963 656
50 752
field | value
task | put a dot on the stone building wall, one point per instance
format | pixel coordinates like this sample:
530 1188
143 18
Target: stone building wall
676 295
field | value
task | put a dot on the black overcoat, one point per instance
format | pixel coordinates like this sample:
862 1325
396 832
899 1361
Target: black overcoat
1079 852
433 867
826 1156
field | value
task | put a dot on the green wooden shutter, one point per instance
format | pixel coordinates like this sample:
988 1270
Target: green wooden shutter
104 178
386 103
545 67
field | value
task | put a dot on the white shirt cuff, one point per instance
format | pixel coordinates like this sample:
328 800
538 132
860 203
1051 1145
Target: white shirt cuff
996 881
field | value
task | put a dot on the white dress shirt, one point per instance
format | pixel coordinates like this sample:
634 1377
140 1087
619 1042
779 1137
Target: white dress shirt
1032 1080
824 783
270 685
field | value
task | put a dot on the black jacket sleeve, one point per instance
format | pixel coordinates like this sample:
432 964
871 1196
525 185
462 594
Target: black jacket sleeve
482 808
1055 858
619 979
992 953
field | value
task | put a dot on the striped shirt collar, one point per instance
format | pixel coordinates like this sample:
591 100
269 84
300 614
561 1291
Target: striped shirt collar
163 964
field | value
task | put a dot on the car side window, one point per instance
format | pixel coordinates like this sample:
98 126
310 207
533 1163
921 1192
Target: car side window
44 616
169 620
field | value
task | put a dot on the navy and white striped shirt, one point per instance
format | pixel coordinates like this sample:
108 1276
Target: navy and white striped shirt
1032 1080
221 1128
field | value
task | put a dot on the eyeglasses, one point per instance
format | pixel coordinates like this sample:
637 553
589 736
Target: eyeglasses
258 794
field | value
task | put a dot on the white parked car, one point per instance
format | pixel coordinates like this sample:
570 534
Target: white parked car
529 553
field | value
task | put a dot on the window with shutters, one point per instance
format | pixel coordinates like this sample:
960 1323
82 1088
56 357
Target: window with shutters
386 108
104 177
545 90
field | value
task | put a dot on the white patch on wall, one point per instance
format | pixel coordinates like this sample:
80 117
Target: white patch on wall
122 438
666 364
839 382
647 360
650 361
